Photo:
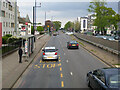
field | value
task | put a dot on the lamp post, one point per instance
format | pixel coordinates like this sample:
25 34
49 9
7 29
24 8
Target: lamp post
34 16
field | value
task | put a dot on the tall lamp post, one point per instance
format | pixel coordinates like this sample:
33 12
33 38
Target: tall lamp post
34 16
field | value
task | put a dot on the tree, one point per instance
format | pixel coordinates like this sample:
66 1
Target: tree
57 25
105 17
77 25
40 28
32 31
69 25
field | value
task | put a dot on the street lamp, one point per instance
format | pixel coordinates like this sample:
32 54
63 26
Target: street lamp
34 16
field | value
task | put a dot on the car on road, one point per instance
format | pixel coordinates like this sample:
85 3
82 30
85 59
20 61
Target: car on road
104 79
72 44
69 33
54 34
50 53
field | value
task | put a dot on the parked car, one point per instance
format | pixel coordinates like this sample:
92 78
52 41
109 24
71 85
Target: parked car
54 34
69 33
72 44
50 53
104 79
111 38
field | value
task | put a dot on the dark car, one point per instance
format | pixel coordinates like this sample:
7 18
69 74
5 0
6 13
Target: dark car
104 79
72 44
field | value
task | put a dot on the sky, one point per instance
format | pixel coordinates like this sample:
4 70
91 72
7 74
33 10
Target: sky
62 10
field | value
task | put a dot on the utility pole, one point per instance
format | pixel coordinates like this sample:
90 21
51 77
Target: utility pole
15 17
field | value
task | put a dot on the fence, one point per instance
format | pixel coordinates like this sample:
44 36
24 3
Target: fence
7 48
112 46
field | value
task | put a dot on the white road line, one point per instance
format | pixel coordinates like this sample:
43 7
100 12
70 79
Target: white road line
71 73
64 53
67 61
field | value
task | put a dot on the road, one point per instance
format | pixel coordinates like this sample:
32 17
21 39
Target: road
69 72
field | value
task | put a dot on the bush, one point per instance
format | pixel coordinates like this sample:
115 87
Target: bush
8 35
10 40
4 39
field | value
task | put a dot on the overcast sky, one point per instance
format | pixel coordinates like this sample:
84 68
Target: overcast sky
62 10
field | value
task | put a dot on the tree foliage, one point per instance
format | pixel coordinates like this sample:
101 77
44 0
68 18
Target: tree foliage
69 25
57 25
40 28
77 25
105 17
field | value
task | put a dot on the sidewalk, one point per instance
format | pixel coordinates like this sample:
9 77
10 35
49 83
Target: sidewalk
12 69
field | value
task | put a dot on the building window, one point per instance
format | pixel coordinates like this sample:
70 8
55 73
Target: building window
12 25
4 24
3 33
9 15
9 24
3 4
6 5
3 13
84 23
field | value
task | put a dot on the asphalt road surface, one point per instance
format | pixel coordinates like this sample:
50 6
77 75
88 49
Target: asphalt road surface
69 72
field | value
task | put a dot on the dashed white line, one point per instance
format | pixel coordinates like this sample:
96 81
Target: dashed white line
71 73
67 61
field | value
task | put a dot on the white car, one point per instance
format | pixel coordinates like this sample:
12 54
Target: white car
50 53
69 33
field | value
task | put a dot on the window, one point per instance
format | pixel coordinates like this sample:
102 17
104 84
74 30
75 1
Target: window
4 24
12 25
3 4
9 15
9 24
3 13
6 5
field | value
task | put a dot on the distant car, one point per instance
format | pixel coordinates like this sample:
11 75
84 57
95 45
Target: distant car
54 34
69 33
104 79
50 53
72 44
111 38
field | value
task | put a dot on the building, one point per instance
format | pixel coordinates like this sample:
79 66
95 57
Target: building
78 19
22 25
90 23
9 17
84 21
0 27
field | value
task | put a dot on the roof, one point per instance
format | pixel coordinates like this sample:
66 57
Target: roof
49 47
24 20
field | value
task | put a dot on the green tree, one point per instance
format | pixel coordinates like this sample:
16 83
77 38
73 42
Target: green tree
32 31
57 25
69 25
77 25
105 17
40 28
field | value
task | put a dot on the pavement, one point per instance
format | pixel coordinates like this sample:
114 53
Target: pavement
69 72
12 69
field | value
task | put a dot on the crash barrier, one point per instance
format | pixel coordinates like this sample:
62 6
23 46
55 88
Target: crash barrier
111 46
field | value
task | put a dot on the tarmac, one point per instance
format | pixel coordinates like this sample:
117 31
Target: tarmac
12 69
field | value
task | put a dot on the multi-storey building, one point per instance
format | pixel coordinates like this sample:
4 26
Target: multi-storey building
9 18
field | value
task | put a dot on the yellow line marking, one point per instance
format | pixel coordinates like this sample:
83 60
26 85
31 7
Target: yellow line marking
59 64
40 61
60 69
62 84
52 65
59 57
61 75
59 60
43 65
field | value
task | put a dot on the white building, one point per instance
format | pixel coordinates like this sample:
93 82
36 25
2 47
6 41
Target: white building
78 19
84 21
22 25
9 17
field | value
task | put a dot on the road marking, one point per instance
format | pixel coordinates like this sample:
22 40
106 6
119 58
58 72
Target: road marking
71 73
59 64
59 60
43 65
64 53
62 84
67 61
61 75
40 61
59 57
60 69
